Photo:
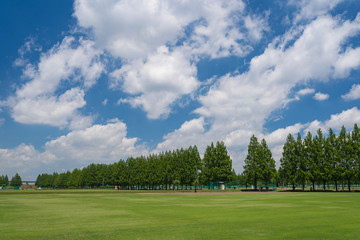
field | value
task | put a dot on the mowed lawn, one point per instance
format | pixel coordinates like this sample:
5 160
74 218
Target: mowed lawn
119 215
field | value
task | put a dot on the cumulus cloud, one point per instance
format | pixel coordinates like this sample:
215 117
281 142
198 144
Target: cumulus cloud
162 79
60 64
98 143
159 44
106 143
157 23
216 33
247 99
23 159
321 96
239 104
188 134
51 110
348 61
306 91
256 27
309 9
161 41
346 118
314 126
133 29
70 63
279 136
353 94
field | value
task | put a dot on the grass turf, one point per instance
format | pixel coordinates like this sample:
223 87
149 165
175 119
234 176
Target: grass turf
117 215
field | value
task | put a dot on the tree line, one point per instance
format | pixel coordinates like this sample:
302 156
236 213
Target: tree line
314 160
15 180
318 160
322 160
179 167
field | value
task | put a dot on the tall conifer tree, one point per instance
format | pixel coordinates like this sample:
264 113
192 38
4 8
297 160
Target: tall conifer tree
322 164
288 162
310 158
267 164
301 173
252 168
332 156
355 140
347 156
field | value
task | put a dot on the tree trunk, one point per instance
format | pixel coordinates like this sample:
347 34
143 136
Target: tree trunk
293 187
303 187
349 187
255 183
336 185
313 183
324 185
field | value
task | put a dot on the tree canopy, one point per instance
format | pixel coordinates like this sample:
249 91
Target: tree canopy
16 180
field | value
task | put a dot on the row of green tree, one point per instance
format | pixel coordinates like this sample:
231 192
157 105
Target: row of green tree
15 180
178 167
318 160
322 160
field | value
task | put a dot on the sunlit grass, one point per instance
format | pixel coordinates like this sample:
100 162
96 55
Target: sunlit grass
121 215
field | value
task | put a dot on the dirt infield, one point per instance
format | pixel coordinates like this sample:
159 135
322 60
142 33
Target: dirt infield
211 193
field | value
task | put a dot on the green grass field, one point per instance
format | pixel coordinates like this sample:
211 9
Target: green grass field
119 215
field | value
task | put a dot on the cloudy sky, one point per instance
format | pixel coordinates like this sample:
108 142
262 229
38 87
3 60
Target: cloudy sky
97 81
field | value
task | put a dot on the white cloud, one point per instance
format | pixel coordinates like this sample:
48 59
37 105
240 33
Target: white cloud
29 45
134 29
314 126
309 9
96 144
237 105
218 35
237 141
306 91
105 101
23 159
353 94
278 136
69 63
346 118
247 99
160 81
348 61
60 64
321 96
55 111
256 27
188 134
79 121
160 42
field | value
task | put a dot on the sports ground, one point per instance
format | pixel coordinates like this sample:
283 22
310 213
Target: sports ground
96 214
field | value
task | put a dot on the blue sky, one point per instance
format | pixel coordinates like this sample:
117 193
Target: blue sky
97 81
